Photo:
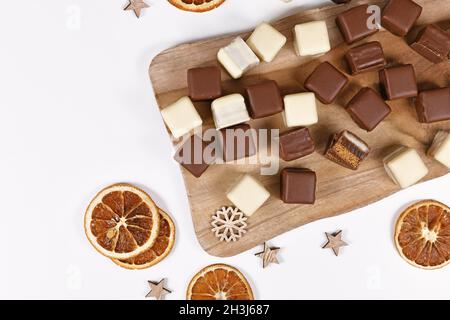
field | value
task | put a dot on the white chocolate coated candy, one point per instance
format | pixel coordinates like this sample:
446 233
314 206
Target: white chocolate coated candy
266 42
405 166
237 58
440 149
248 195
311 38
229 110
181 117
300 109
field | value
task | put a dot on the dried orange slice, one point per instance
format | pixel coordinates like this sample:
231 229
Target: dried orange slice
122 221
196 5
219 282
422 234
160 249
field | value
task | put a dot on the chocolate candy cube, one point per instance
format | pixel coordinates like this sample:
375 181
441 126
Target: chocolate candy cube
433 105
266 42
191 156
366 57
298 186
237 142
353 24
229 110
181 117
399 82
264 99
295 144
347 149
440 149
311 38
326 82
400 15
300 109
433 43
237 58
248 195
204 83
368 109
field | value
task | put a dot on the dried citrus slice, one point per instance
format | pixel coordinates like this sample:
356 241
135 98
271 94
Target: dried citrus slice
160 249
121 221
422 234
219 282
196 5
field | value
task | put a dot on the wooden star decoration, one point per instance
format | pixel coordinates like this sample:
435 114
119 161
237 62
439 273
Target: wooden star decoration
334 241
268 255
157 290
136 6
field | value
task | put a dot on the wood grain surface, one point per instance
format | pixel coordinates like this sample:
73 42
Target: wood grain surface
339 190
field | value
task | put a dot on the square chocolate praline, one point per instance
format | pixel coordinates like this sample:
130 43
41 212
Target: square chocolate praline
326 82
191 156
400 15
295 144
237 142
368 109
204 83
399 82
264 99
432 43
298 186
433 105
353 24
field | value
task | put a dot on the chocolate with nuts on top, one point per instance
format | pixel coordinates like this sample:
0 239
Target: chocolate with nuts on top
399 82
191 156
347 149
433 43
368 109
366 57
326 82
298 185
433 105
237 142
353 23
295 144
264 99
400 15
204 83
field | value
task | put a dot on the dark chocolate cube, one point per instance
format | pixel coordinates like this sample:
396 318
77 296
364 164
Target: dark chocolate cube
399 82
264 99
368 109
204 83
298 186
432 43
192 157
433 105
237 142
326 82
295 144
353 24
400 15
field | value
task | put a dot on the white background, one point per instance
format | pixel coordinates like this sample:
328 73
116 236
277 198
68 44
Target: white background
78 113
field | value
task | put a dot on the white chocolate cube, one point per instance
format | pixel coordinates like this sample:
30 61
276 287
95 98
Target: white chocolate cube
237 58
229 110
440 149
248 195
405 166
300 109
311 38
181 117
266 42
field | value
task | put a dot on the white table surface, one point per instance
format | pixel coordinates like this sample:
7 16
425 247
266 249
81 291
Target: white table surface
78 113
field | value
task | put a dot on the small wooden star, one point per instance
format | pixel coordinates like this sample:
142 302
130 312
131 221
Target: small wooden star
157 290
136 6
268 255
334 241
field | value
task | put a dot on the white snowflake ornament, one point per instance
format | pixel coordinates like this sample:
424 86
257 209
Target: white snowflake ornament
229 224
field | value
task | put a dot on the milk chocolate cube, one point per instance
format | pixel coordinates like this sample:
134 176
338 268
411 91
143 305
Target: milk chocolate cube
298 186
237 142
295 144
433 105
400 15
191 156
399 82
264 99
347 149
353 24
326 82
433 43
366 57
204 83
368 109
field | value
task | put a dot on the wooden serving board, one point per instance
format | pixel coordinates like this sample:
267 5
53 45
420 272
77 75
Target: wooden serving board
339 190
